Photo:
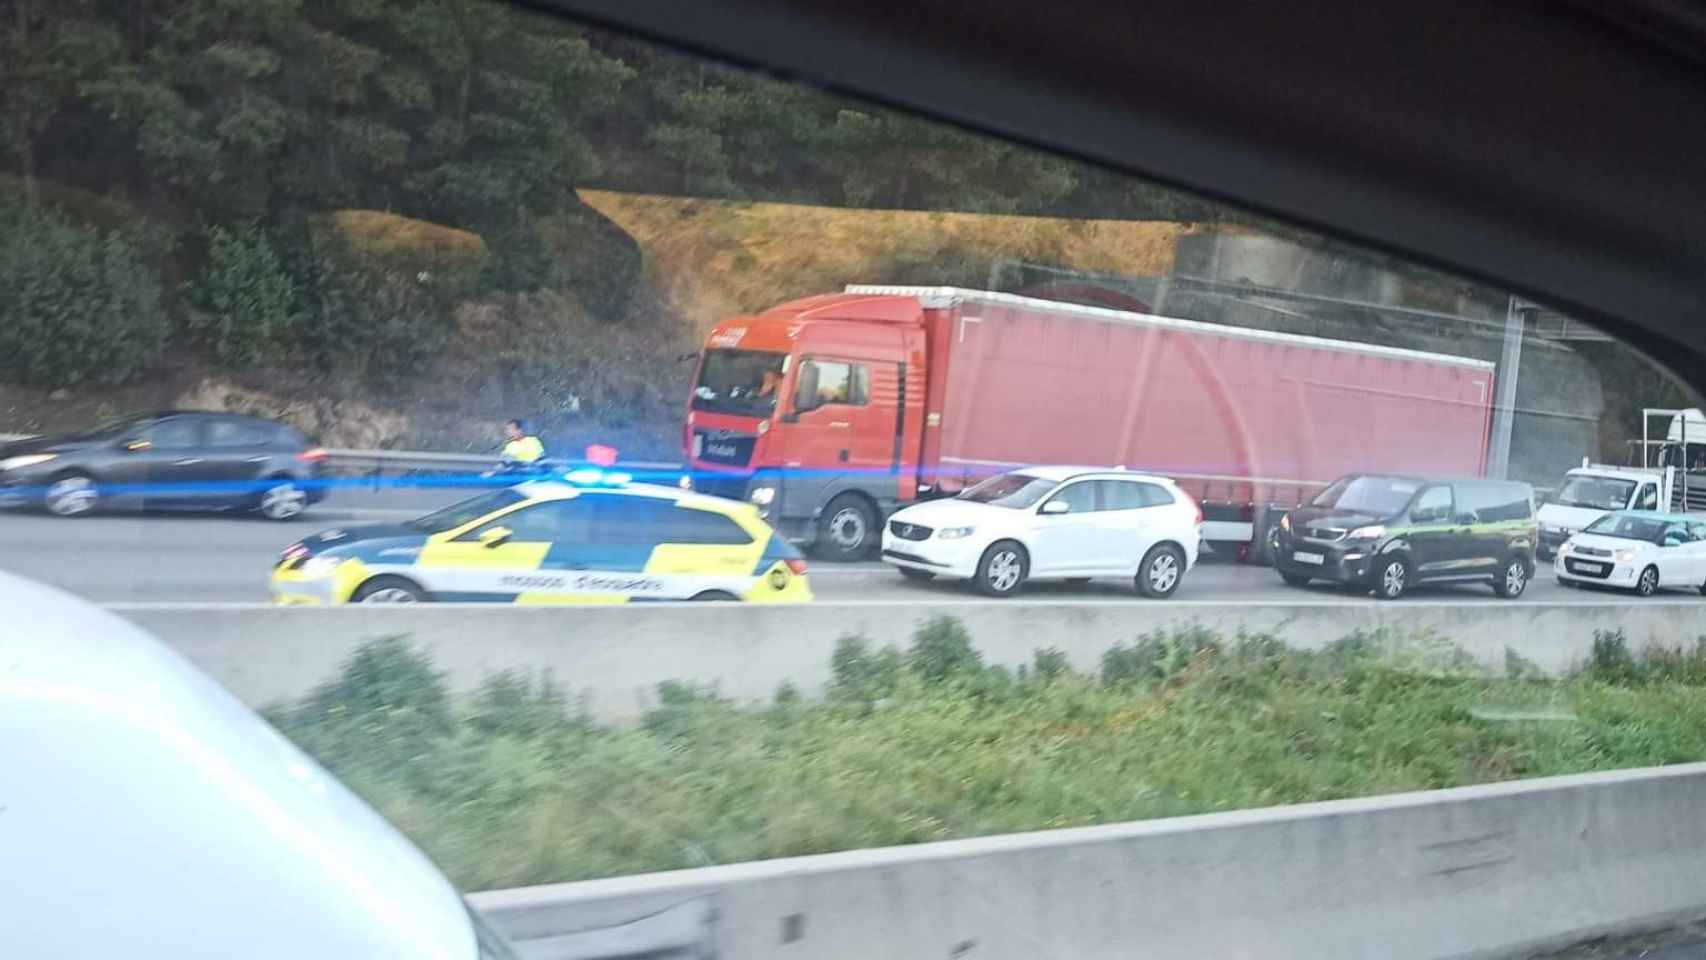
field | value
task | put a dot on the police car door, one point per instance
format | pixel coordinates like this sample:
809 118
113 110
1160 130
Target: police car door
507 558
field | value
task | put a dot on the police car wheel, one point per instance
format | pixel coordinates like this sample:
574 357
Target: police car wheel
715 596
390 590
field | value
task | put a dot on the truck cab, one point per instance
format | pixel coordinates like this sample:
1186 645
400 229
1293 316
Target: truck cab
812 411
1590 492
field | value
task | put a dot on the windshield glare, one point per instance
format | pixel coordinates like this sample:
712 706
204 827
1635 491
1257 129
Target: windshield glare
1380 496
1628 528
1598 493
465 511
739 381
1014 490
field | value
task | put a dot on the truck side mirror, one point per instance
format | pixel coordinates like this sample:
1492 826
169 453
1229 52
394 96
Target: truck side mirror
805 389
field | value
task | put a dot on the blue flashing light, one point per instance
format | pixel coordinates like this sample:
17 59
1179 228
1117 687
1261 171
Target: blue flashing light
592 477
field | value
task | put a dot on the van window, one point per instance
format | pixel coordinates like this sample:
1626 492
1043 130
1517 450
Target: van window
1494 502
1433 506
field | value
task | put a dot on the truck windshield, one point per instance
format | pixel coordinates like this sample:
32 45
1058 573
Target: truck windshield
1379 496
1597 493
1015 490
1628 528
739 381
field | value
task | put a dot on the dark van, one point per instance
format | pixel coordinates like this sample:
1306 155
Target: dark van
1390 533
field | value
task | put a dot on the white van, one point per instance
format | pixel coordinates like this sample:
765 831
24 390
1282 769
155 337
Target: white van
1593 490
146 813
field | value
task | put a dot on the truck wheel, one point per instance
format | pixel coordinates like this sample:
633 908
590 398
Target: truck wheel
1002 570
1514 580
1160 573
1391 578
847 529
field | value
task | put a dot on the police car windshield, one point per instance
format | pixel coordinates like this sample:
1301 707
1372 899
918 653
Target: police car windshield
739 381
1379 496
465 511
1015 490
1629 528
1598 493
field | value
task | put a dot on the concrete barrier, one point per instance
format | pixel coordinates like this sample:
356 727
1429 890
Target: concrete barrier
615 656
1472 872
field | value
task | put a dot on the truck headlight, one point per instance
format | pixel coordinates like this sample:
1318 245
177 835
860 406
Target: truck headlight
320 566
763 496
27 460
955 533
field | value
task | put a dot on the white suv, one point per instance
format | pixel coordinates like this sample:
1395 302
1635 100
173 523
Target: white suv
1051 523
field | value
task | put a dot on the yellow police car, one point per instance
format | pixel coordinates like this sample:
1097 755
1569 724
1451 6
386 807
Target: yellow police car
589 537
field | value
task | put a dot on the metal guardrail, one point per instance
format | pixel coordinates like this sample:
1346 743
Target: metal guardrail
378 461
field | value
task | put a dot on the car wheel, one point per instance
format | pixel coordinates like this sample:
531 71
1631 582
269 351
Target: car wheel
1514 580
1160 572
1002 570
390 590
1295 579
1648 584
72 495
921 576
847 528
715 596
1392 578
282 499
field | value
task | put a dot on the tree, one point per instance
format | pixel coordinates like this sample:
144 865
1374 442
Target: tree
51 48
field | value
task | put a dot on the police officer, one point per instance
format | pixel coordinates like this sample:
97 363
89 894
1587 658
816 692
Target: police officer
521 446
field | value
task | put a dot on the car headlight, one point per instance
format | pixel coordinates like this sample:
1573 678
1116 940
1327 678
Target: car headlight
320 566
1626 556
1371 532
763 496
27 460
1565 547
1285 521
955 533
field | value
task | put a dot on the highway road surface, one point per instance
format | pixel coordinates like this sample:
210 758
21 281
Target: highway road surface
208 558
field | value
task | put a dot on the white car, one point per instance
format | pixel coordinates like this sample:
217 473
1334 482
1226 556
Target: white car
1637 550
1051 523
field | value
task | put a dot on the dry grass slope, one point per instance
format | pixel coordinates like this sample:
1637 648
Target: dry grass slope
713 258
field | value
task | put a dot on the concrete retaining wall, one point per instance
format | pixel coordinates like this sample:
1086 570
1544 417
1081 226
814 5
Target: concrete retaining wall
615 656
1479 871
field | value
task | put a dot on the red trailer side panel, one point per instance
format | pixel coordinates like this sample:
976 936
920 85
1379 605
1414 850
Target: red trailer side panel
1033 382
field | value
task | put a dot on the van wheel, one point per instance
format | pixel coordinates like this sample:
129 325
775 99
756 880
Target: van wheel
1513 581
1160 573
390 590
1392 578
847 528
1002 570
1649 582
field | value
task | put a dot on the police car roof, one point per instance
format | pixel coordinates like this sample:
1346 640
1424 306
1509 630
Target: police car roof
159 817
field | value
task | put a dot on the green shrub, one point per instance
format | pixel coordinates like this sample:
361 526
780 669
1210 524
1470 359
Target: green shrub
1159 655
244 302
1610 660
859 675
1048 663
77 304
941 650
513 704
386 706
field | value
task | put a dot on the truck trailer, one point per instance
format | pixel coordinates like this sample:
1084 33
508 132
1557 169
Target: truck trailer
832 411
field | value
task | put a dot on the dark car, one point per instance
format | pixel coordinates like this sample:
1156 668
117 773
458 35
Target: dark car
1390 533
172 460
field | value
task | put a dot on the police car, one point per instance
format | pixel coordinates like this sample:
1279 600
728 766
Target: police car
587 537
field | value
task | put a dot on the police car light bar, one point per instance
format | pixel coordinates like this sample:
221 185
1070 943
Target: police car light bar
590 477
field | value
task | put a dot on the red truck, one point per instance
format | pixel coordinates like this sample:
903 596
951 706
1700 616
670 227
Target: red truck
833 411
